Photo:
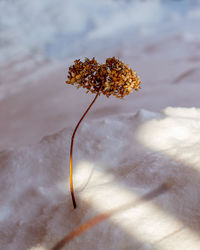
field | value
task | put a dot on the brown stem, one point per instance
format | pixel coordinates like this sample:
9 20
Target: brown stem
71 150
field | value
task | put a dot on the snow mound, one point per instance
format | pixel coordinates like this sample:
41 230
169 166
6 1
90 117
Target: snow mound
117 159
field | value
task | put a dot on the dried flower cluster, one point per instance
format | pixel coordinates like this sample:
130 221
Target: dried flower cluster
112 78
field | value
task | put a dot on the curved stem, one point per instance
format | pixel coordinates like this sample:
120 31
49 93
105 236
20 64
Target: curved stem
71 150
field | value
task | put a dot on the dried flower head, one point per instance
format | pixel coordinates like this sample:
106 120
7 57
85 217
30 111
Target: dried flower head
112 78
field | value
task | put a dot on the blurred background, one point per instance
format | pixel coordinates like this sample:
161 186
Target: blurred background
40 39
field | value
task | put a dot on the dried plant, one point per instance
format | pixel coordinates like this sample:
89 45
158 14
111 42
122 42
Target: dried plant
112 78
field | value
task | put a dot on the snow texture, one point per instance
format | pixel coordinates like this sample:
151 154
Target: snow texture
116 160
123 150
68 28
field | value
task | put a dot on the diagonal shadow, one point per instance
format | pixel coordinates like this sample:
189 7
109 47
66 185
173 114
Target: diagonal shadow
183 198
104 216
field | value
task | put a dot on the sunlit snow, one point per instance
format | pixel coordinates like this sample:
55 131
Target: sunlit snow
124 149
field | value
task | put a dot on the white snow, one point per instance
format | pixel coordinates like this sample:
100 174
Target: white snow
124 149
77 28
116 160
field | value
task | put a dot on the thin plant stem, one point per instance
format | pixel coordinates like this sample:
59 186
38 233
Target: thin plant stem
71 150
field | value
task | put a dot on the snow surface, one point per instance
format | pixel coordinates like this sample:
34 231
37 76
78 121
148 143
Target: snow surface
68 28
124 149
117 160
